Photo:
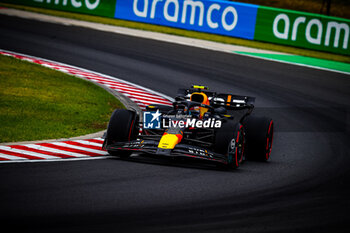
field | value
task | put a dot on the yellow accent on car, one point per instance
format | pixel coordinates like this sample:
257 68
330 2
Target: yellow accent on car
168 141
200 87
149 106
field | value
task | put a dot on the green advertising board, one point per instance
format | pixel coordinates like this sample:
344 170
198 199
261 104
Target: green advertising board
294 28
105 8
302 29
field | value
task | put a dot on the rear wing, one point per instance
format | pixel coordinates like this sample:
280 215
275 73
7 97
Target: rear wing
228 101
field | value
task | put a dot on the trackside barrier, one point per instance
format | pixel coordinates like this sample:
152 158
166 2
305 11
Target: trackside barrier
215 16
305 30
103 8
253 22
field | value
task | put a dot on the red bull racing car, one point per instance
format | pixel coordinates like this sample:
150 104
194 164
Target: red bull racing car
201 124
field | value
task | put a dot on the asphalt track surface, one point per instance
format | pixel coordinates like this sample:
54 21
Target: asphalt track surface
304 187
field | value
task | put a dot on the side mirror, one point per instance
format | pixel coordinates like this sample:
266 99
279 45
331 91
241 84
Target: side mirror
179 98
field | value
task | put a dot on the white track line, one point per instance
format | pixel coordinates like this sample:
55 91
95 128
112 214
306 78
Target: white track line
88 143
79 148
55 160
11 157
43 156
49 149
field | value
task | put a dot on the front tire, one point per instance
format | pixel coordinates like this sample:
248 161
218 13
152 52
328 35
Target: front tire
230 140
122 127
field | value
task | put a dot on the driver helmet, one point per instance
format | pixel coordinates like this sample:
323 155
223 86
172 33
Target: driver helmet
200 97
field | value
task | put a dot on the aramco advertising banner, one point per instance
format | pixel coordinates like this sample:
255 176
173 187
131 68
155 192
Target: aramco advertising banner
294 28
105 8
218 17
300 29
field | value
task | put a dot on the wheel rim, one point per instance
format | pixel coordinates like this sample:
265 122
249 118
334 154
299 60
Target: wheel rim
235 154
269 140
240 145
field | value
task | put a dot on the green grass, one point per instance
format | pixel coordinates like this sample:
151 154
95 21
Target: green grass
39 103
186 33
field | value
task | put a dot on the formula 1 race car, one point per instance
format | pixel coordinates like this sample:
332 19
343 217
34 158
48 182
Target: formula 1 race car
201 124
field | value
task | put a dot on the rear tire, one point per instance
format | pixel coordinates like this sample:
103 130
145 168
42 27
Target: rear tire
229 141
122 127
259 137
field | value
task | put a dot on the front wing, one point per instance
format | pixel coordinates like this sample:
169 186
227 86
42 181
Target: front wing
180 150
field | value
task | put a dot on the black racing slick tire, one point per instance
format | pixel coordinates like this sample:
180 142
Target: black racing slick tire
122 127
259 137
230 141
